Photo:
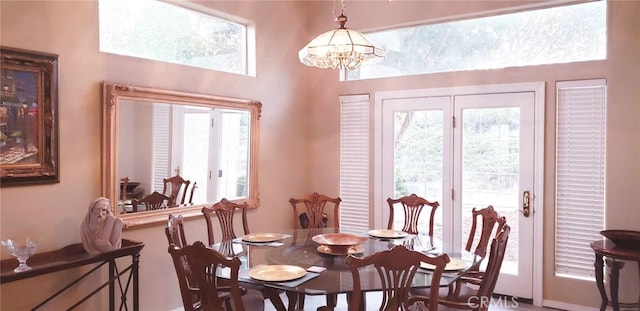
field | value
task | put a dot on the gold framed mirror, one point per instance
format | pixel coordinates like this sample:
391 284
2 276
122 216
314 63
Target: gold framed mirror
151 134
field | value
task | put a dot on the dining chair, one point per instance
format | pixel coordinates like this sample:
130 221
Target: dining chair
153 201
309 213
459 295
313 206
189 289
396 269
412 206
491 222
203 263
466 297
171 186
224 211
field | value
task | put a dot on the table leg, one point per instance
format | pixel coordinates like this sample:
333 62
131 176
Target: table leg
599 265
112 281
614 278
135 260
332 301
274 297
639 283
293 298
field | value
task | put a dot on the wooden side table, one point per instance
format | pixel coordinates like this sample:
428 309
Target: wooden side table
73 256
606 248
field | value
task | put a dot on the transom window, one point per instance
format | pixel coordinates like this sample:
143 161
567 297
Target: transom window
166 32
562 34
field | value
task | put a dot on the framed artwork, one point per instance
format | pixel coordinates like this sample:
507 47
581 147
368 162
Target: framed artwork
28 118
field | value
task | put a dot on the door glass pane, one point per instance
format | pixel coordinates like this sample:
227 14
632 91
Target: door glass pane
418 156
490 170
195 153
234 160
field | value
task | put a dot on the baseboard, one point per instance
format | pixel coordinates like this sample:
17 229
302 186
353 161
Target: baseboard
513 299
566 306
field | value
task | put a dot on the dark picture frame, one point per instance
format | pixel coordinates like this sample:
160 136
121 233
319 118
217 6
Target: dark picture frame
28 118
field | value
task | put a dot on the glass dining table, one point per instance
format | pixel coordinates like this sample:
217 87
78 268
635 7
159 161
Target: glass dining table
296 248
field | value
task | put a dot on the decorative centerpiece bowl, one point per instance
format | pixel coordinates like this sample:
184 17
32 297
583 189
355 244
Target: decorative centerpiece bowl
22 251
623 238
339 243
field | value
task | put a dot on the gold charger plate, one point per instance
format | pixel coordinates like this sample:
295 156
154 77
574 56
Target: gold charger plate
388 234
263 237
276 273
356 249
453 265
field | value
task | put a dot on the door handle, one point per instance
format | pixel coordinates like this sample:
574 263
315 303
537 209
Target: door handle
526 204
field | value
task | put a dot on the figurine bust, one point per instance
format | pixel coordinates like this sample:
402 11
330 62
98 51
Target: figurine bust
101 231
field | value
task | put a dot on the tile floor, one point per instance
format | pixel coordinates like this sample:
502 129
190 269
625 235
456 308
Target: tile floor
313 302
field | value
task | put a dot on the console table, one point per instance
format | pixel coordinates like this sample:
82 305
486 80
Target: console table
73 256
606 248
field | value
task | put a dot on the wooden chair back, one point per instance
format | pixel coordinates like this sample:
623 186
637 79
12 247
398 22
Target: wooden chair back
490 219
171 186
175 231
396 269
496 257
204 262
153 201
189 290
193 190
123 192
463 297
412 206
313 205
224 211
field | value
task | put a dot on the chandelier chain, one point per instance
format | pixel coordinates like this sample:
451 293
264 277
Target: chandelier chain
333 9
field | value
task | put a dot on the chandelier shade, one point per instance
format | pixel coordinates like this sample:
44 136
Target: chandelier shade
340 49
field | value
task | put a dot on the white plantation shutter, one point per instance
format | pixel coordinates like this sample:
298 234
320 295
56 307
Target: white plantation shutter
354 163
580 174
161 145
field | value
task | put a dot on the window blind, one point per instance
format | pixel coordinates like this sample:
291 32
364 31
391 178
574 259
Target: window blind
580 174
161 146
354 163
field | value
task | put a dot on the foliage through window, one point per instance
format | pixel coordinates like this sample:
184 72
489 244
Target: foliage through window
165 32
562 34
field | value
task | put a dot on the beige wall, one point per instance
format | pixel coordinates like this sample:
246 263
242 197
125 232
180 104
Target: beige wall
621 70
52 214
299 125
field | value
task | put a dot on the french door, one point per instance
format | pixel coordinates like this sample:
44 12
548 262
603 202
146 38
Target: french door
211 147
466 151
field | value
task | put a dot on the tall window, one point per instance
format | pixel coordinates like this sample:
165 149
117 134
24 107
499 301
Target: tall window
580 174
166 32
562 34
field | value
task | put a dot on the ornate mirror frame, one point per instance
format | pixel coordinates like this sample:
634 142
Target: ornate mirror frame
115 93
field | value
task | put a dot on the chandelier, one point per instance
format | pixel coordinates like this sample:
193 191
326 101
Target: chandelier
341 48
